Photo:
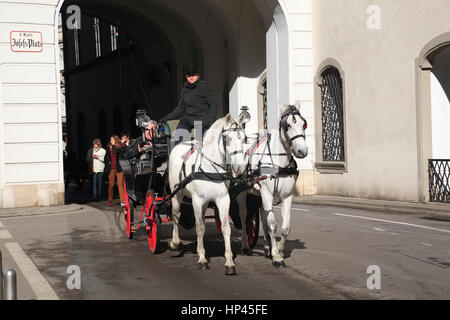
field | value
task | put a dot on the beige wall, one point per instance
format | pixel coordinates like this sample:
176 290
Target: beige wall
30 140
380 90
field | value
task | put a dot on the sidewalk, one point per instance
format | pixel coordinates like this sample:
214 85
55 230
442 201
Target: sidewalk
18 212
31 284
24 290
376 205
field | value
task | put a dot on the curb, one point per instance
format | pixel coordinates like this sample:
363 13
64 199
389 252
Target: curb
376 205
37 211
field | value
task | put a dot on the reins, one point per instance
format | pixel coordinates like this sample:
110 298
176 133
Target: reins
202 174
211 176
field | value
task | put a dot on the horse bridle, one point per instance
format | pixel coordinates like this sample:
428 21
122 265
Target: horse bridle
292 111
235 127
212 176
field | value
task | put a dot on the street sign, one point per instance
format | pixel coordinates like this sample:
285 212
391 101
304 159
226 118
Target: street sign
26 41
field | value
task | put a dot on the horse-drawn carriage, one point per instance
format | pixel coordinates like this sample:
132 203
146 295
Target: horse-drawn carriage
146 188
178 185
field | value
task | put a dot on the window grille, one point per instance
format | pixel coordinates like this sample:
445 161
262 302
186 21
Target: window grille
76 40
333 147
113 38
263 93
439 179
98 45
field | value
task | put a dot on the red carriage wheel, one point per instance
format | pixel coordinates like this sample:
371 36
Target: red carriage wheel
252 226
252 229
153 227
129 212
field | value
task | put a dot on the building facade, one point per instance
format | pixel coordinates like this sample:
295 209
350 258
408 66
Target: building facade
370 77
386 54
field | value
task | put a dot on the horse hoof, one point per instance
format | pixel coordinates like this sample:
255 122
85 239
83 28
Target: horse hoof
267 253
174 247
230 271
279 264
203 266
247 252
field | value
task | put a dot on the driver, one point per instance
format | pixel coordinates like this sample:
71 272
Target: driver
197 103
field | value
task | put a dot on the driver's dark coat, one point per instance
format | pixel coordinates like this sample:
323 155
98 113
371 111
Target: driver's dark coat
197 103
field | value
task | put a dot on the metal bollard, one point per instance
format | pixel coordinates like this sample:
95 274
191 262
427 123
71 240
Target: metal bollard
10 285
1 277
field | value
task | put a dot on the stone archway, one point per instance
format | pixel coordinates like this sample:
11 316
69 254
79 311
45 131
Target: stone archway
235 43
255 40
430 75
235 53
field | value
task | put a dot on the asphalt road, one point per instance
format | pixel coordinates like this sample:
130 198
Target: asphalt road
327 256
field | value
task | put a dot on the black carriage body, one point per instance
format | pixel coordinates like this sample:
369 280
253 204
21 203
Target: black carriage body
141 174
145 184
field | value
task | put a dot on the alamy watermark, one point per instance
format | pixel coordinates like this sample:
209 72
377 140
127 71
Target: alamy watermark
374 19
74 280
73 17
374 281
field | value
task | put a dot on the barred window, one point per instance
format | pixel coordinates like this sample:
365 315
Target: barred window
114 38
333 147
98 45
76 40
263 112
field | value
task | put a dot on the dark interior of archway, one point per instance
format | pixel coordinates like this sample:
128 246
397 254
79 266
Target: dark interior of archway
440 60
103 89
103 92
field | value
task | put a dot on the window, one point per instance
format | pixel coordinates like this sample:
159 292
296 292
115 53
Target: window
332 116
76 40
262 104
98 45
330 120
114 35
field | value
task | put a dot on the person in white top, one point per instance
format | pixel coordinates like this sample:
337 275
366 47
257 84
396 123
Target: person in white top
98 156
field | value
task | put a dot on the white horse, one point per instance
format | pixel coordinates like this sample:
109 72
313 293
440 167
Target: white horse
273 155
222 148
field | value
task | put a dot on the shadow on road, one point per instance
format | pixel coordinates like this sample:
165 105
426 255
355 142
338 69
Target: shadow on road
213 240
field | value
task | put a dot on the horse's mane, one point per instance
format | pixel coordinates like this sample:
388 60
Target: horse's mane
211 133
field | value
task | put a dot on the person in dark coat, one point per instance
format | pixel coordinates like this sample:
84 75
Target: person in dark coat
134 149
197 102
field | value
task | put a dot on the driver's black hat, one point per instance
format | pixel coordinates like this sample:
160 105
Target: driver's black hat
191 69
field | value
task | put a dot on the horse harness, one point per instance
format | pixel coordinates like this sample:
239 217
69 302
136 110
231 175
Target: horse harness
200 174
291 169
238 184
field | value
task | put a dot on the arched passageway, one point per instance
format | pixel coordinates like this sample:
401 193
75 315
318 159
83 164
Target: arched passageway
440 104
238 45
434 116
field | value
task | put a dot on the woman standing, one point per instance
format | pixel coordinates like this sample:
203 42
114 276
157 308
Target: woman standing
114 169
98 166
